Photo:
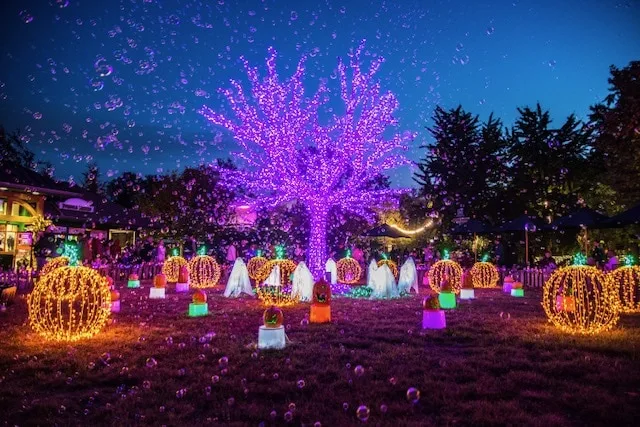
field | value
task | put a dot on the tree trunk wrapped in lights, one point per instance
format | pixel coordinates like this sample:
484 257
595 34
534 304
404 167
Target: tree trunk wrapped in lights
289 154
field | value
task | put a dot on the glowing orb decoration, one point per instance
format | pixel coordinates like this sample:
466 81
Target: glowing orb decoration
484 275
171 267
392 266
69 303
349 270
204 271
287 268
273 317
627 283
54 263
445 268
254 265
581 299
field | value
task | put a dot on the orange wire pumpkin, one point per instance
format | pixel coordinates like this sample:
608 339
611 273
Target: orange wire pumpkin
392 266
443 268
349 270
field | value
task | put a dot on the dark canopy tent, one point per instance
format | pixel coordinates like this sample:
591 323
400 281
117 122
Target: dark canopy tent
582 218
629 217
472 226
524 223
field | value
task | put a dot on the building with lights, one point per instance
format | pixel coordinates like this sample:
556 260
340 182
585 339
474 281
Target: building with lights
26 196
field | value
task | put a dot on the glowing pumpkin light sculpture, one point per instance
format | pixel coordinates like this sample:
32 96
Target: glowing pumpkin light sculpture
254 265
204 271
199 306
448 268
484 275
627 283
69 303
171 267
271 334
349 270
53 264
321 305
581 299
287 267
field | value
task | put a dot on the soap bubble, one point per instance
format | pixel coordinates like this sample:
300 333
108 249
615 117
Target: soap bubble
301 384
413 395
151 362
358 370
363 413
25 16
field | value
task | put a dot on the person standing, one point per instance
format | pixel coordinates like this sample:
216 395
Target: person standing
498 253
598 254
161 252
231 254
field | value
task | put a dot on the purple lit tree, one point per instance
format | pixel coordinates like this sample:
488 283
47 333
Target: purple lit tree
288 154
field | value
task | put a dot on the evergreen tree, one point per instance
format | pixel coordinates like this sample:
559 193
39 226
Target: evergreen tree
13 151
462 169
617 125
546 165
91 181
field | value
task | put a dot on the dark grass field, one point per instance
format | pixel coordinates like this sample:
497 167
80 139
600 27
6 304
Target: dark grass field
497 363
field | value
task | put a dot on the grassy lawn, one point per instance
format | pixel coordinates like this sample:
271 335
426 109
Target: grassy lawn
498 363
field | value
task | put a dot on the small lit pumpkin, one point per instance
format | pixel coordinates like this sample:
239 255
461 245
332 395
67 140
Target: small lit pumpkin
321 293
517 285
133 276
431 302
199 297
160 281
115 295
273 317
183 274
110 282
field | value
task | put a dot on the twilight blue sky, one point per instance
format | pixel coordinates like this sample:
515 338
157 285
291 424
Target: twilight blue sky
120 82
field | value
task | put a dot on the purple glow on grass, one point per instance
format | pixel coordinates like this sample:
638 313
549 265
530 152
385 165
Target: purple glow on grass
288 155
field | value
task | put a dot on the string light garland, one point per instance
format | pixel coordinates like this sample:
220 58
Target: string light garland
442 269
69 303
415 230
484 275
171 267
349 270
254 265
627 283
580 299
333 163
204 271
53 264
392 266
